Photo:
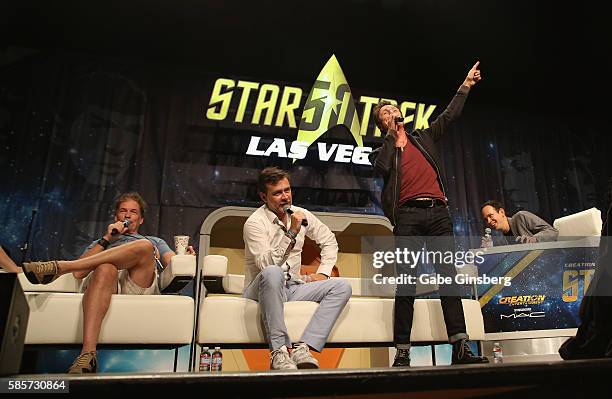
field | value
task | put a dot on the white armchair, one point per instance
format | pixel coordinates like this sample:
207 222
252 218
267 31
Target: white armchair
56 314
582 224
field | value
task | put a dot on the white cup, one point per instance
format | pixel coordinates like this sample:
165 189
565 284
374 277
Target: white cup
180 244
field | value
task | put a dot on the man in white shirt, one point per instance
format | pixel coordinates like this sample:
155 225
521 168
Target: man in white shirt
274 236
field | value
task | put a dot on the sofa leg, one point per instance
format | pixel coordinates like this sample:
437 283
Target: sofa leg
176 352
433 354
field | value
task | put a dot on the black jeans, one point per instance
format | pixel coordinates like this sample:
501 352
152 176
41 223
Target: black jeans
432 227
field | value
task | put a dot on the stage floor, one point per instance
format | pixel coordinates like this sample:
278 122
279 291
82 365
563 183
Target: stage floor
568 379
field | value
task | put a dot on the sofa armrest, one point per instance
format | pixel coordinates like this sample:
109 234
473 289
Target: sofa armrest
586 223
64 283
178 274
214 269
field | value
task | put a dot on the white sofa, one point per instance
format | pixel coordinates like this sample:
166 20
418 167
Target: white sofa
365 321
56 314
232 321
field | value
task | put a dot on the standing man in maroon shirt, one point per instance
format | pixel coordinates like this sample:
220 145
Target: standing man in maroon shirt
414 200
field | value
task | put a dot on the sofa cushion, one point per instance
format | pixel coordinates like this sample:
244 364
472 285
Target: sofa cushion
57 318
236 320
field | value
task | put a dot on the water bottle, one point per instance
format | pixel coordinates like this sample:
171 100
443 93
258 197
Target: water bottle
205 359
498 354
217 360
487 240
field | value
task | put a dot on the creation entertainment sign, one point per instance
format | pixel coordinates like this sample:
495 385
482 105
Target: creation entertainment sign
547 286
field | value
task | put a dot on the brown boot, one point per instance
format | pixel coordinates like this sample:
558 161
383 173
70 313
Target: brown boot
41 272
86 363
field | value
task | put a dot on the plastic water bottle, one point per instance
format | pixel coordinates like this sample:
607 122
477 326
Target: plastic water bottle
205 359
487 240
498 354
217 360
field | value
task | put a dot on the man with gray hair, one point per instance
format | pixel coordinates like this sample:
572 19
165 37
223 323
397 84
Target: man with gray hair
122 261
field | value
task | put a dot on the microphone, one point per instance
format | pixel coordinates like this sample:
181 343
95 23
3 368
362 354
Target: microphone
487 231
288 211
399 119
126 223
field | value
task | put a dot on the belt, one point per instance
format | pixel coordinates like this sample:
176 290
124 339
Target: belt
423 203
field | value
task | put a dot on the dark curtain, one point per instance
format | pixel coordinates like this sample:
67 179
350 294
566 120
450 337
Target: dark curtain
76 130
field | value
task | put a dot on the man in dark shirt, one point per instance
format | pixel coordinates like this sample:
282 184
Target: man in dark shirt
414 200
524 226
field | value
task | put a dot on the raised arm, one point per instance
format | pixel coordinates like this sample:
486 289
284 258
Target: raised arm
440 125
473 76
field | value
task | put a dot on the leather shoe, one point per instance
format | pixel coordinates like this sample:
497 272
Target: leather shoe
462 354
402 358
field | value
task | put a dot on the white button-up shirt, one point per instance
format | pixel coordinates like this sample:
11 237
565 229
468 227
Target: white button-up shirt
266 244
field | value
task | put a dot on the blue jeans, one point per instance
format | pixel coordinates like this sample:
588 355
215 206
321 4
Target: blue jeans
271 290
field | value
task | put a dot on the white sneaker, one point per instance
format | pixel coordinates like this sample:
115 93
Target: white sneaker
280 360
302 357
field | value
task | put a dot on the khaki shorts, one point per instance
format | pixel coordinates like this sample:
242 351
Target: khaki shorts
127 286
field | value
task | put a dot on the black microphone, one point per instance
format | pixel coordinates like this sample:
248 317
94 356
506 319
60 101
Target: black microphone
288 211
399 119
126 223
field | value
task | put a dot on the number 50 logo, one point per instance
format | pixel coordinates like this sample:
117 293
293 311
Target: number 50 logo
571 283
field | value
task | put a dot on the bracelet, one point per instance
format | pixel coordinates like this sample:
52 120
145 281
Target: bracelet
103 242
291 234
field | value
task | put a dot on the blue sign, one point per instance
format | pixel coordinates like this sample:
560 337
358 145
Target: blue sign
548 281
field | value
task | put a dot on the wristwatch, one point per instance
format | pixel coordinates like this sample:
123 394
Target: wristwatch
104 243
